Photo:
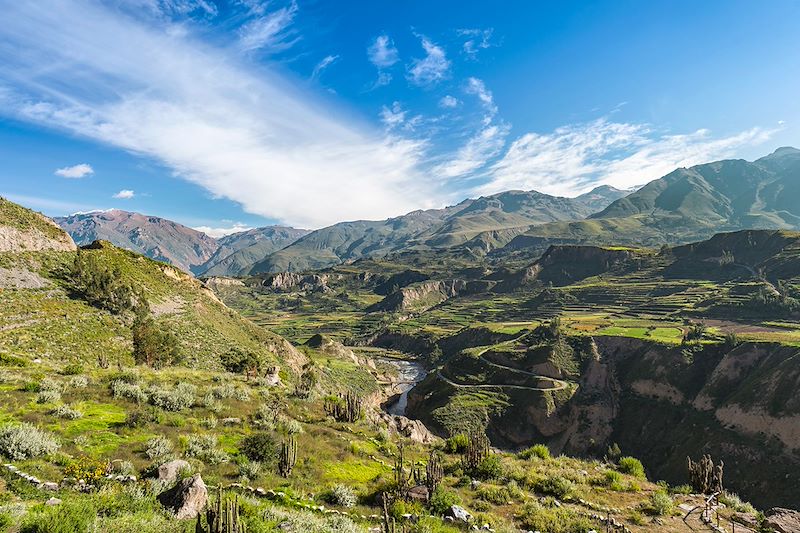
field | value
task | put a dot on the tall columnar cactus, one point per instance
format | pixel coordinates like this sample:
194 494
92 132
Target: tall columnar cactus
434 472
222 516
346 408
388 524
477 450
288 456
704 476
401 477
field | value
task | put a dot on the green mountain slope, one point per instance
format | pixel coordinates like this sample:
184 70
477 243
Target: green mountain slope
240 250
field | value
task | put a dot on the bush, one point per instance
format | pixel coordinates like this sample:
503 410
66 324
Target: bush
735 502
661 503
456 443
538 450
534 516
121 388
204 447
7 359
153 344
494 494
5 521
78 382
66 412
249 470
259 447
240 361
556 486
87 469
211 403
72 369
23 441
69 517
227 390
159 447
442 500
141 417
632 467
343 496
181 397
490 468
48 396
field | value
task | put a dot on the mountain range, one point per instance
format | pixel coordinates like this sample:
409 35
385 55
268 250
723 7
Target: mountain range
686 205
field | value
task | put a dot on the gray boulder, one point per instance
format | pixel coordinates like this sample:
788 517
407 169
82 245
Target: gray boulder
783 520
168 472
459 514
187 498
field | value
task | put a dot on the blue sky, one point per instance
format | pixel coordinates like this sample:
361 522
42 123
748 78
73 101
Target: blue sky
230 115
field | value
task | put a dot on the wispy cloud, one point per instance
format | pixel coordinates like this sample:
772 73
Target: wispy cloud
218 232
573 159
448 101
482 146
269 31
242 133
382 52
432 68
75 171
124 194
322 65
393 116
476 40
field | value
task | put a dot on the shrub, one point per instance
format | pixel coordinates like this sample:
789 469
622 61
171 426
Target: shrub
12 360
66 412
159 447
457 443
140 417
23 441
204 447
534 516
211 403
684 489
72 369
343 496
228 390
180 397
78 382
239 360
48 396
489 468
49 384
242 394
494 494
290 426
538 450
69 517
632 467
557 486
661 503
249 469
5 521
87 469
265 416
735 502
442 500
121 388
260 447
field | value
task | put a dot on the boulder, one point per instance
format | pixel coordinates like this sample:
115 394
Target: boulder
168 472
783 520
187 498
459 514
53 501
418 494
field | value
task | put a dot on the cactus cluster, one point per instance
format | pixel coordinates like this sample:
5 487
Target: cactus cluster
477 450
288 456
704 476
345 408
222 516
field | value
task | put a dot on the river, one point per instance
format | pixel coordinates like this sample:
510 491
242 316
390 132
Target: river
408 372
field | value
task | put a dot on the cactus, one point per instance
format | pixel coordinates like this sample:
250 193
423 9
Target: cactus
221 517
345 408
704 476
477 450
288 456
388 524
434 472
401 478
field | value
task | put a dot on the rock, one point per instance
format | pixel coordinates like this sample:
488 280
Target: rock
50 486
418 493
231 421
168 472
53 501
411 429
459 514
187 498
783 520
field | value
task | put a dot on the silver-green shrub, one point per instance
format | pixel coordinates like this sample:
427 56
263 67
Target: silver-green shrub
23 441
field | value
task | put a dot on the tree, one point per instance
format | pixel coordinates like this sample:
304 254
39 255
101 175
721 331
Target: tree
241 361
100 285
153 345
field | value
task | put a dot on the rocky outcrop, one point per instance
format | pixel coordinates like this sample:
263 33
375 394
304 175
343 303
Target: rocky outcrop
414 430
33 239
169 471
293 282
420 296
187 498
783 520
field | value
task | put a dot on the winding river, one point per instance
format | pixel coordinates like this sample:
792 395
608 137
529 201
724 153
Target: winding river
409 373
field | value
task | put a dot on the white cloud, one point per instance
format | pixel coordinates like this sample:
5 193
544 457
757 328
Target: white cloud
222 231
477 40
393 116
432 68
242 133
269 31
75 171
124 194
484 145
382 52
322 65
448 101
573 159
